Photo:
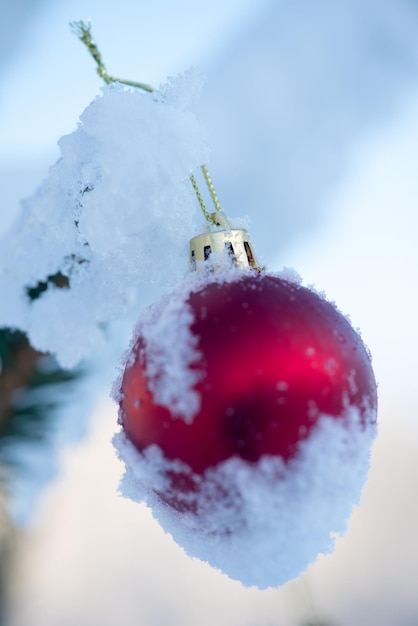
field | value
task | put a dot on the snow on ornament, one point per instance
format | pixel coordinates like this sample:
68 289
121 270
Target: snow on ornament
248 407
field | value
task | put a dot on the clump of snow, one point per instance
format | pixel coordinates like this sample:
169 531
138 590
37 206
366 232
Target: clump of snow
171 352
263 523
291 275
114 214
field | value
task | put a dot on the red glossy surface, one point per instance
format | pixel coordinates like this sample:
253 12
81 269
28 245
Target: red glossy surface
276 356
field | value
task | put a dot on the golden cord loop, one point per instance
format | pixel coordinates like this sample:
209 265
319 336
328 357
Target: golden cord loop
205 212
211 188
219 216
83 31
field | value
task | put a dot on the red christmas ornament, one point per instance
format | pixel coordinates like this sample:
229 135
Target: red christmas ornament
273 357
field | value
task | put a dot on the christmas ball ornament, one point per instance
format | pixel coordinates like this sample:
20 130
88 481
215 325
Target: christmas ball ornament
273 357
247 405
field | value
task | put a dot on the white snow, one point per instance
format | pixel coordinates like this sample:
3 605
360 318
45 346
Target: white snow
276 518
114 214
171 351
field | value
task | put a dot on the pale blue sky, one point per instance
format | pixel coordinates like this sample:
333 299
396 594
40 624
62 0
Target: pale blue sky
51 78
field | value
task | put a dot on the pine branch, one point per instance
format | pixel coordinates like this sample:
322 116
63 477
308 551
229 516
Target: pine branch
18 363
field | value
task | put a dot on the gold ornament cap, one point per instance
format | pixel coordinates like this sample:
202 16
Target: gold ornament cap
219 246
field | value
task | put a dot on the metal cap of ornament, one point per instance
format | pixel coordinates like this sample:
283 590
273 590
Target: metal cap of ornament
222 238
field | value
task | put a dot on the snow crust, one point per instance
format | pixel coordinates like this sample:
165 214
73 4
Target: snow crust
114 215
171 351
262 524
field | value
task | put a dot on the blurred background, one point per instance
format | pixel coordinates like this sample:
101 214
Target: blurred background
311 108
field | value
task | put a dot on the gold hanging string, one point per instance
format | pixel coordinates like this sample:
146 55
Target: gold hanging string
211 188
219 217
83 31
205 212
